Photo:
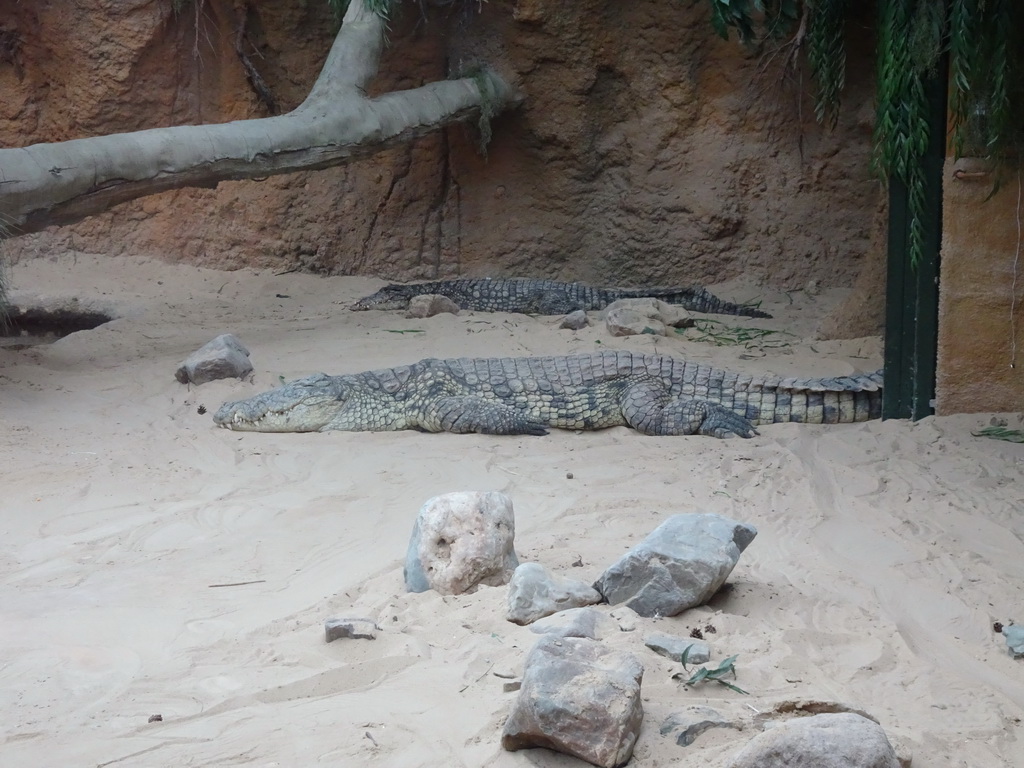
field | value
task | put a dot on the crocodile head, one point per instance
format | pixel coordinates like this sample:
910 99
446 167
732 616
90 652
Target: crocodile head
388 297
304 405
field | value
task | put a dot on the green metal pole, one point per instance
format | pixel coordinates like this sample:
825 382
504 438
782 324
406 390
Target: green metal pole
912 293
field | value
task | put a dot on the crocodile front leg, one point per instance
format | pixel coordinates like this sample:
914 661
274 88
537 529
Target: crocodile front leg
466 413
650 409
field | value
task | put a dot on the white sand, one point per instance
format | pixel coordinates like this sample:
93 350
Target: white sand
886 550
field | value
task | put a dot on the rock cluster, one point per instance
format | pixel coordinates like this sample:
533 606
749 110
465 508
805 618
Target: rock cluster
580 696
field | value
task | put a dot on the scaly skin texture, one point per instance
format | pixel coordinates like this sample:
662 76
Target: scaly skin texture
545 297
655 395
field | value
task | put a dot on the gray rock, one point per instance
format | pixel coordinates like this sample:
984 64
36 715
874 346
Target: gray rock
1014 634
681 564
533 593
628 317
686 726
625 321
576 622
353 629
574 321
842 740
579 698
674 646
461 540
430 304
223 358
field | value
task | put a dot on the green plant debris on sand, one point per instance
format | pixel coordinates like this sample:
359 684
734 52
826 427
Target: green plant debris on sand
1001 433
721 335
725 667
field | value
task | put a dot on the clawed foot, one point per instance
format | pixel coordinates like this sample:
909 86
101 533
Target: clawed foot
722 422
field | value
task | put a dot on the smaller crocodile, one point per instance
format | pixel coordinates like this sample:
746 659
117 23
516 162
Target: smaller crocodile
546 297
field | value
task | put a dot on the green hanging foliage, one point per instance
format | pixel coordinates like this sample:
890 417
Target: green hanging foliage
986 67
901 124
826 53
964 61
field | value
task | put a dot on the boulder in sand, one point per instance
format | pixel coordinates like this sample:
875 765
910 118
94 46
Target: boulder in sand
461 540
223 358
578 697
533 593
430 304
680 565
841 740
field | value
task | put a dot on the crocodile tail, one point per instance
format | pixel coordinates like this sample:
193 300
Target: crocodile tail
696 299
835 400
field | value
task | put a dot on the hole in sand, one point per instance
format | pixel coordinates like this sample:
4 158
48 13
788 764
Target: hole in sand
29 326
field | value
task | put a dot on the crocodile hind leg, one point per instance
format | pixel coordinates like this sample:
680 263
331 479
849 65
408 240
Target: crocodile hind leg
650 409
465 413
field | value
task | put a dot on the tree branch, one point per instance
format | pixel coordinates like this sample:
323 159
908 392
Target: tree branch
48 184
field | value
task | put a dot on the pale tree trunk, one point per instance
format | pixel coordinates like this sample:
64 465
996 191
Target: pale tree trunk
48 184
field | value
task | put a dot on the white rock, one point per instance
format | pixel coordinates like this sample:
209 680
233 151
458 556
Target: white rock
461 540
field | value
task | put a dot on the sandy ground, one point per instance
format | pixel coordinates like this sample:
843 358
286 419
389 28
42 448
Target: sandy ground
886 550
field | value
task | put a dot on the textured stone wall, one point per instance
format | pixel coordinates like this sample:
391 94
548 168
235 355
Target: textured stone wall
646 150
979 366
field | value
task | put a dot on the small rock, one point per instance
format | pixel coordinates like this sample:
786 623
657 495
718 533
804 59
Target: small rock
629 322
353 629
504 674
576 622
461 540
627 317
579 698
510 687
430 304
841 740
533 593
223 358
574 321
680 565
156 719
1014 634
674 647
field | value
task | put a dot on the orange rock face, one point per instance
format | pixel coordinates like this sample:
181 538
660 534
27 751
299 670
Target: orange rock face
646 150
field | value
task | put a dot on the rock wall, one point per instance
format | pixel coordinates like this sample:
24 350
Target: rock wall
646 150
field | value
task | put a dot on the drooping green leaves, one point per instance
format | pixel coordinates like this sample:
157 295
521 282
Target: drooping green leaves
901 123
826 54
735 14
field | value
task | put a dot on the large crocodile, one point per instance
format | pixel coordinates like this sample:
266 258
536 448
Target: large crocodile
545 297
655 395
